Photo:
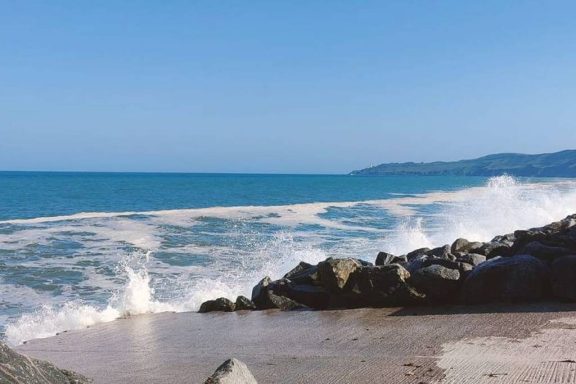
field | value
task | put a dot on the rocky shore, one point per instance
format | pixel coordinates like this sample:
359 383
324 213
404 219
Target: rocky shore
524 266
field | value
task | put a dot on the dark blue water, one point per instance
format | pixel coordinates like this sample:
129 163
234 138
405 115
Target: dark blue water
38 194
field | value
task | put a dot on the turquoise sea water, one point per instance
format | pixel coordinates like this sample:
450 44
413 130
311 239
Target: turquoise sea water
82 248
36 194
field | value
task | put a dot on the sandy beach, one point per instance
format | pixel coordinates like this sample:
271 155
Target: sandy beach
481 344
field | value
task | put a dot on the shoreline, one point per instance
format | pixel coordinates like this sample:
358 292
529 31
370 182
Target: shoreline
274 256
392 345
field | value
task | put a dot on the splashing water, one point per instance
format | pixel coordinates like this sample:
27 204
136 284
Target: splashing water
134 299
138 296
503 206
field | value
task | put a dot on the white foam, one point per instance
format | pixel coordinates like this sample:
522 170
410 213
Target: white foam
48 321
137 297
479 214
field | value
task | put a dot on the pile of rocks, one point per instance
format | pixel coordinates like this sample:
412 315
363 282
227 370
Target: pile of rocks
526 265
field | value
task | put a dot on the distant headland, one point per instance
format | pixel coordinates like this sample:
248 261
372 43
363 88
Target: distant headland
558 164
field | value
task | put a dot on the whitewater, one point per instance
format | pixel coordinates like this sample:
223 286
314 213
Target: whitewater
66 272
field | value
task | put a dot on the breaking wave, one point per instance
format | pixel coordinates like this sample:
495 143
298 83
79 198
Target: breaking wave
138 296
502 206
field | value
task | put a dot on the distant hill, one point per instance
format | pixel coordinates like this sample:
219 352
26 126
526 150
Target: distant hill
559 164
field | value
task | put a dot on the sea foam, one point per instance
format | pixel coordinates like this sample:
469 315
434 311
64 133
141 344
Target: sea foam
479 214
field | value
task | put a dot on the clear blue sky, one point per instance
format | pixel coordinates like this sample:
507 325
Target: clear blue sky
271 86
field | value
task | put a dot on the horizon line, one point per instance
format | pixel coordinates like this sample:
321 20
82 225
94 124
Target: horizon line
183 173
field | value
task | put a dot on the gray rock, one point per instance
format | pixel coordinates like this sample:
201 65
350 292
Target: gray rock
260 296
267 294
544 252
311 296
302 266
232 371
524 237
443 252
464 269
334 273
439 283
443 262
364 263
221 304
473 259
385 285
460 245
493 249
425 261
244 304
564 277
18 369
475 247
507 279
507 239
460 266
284 303
417 253
304 273
385 258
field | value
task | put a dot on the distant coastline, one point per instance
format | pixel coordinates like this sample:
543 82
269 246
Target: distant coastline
558 164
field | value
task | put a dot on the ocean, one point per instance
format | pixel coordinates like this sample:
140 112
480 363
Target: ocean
78 249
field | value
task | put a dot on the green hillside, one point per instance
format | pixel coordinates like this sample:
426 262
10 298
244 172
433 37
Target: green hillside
559 164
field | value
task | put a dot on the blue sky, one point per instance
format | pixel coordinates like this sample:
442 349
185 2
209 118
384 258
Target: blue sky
270 86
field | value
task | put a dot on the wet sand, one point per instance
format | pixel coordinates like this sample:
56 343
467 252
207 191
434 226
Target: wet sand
483 344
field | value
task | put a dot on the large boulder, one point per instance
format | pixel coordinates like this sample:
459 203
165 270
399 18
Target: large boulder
244 304
464 246
308 295
385 285
508 239
426 261
16 368
444 252
302 266
221 304
440 283
335 273
493 249
564 278
384 258
232 371
267 294
460 245
417 253
304 273
260 296
473 259
544 252
284 303
506 279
